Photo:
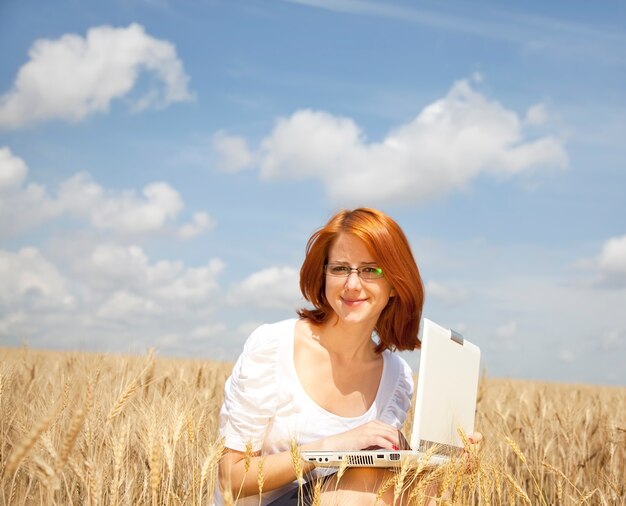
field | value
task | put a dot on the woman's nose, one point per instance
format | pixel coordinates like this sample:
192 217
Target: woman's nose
353 281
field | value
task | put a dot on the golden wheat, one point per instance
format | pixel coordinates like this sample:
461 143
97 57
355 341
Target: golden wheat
118 430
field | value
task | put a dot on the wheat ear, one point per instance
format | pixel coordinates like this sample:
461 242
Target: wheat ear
154 461
297 462
522 457
399 482
516 449
211 460
131 389
517 489
119 449
260 478
124 398
27 444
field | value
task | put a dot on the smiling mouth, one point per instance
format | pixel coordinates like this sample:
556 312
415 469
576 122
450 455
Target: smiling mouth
352 302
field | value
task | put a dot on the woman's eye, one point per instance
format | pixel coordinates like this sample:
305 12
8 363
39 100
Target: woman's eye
339 269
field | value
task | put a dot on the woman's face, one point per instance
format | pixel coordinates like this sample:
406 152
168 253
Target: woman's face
353 299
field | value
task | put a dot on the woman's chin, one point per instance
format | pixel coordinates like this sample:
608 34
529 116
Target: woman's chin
357 318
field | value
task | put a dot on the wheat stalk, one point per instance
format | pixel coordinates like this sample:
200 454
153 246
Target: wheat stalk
49 476
296 461
154 461
342 469
517 489
247 457
260 478
399 481
121 401
522 457
130 391
297 465
70 438
18 454
317 493
584 444
585 498
119 451
483 483
384 486
516 449
554 469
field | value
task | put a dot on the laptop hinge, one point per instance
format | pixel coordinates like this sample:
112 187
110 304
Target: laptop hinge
456 337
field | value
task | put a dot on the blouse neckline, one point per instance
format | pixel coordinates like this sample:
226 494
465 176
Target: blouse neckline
305 395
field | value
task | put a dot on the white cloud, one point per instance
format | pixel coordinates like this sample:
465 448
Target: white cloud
110 293
508 330
111 266
272 288
611 262
201 222
613 340
232 152
451 142
127 213
536 115
21 207
566 356
114 295
72 77
24 205
205 333
122 305
13 171
29 279
445 293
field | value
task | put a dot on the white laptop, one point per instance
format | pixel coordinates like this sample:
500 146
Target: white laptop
445 403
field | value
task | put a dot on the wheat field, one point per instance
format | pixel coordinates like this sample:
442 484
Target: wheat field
102 429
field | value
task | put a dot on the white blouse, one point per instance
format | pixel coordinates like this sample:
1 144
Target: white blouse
265 404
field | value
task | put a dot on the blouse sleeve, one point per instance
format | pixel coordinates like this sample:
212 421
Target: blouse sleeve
400 397
250 393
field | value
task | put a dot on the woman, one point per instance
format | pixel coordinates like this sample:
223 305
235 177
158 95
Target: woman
328 380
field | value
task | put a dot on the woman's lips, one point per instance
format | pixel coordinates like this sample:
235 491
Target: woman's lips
352 302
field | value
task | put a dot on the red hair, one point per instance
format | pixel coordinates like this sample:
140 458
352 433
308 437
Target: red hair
398 324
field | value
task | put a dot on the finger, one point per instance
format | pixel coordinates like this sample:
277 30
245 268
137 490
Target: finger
386 443
388 431
385 439
475 438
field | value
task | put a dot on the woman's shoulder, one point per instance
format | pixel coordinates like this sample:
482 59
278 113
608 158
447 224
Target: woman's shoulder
266 340
251 391
257 365
270 334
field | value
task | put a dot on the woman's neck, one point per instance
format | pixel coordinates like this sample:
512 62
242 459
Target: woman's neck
346 341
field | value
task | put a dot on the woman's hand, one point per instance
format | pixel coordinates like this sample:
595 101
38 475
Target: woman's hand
470 452
475 438
375 433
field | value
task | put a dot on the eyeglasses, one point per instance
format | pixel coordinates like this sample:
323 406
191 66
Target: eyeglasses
364 272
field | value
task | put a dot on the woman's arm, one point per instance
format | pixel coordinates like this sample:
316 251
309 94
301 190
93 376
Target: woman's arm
277 470
241 475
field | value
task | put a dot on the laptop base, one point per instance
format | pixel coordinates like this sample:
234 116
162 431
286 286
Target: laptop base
373 458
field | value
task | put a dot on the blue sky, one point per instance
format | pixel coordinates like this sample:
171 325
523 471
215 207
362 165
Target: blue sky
163 163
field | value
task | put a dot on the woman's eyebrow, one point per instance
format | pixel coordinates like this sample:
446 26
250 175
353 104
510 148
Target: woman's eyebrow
348 263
